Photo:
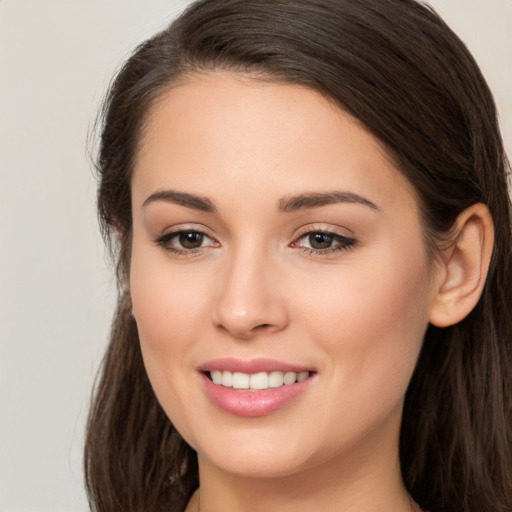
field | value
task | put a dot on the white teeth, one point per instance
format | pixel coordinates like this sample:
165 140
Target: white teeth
290 378
302 376
276 379
227 379
256 381
240 380
259 381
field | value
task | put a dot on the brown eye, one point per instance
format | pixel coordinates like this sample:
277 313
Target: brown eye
186 242
320 241
316 243
190 239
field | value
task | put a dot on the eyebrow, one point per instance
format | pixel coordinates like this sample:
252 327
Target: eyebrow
286 205
183 199
317 199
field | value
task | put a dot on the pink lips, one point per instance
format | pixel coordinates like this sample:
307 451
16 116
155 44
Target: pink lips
252 403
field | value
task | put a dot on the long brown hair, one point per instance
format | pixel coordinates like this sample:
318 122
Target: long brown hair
397 67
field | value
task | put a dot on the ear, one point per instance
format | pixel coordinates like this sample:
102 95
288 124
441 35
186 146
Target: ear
464 266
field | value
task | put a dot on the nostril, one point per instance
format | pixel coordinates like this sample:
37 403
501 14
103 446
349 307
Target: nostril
263 328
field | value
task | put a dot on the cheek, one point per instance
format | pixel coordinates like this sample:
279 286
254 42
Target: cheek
168 300
371 320
169 307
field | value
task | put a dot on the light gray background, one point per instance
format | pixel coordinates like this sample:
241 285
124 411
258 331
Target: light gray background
56 290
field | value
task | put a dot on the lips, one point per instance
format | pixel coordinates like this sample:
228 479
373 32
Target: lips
256 387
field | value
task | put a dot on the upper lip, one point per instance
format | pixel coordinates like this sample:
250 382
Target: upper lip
252 366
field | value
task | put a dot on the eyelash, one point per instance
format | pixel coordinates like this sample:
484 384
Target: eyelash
165 241
342 242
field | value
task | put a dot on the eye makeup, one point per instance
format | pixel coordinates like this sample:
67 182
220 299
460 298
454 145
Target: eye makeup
186 242
313 242
322 242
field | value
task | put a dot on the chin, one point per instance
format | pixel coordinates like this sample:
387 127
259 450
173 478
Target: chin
254 464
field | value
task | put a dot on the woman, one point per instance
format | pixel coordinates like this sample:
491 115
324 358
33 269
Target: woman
308 210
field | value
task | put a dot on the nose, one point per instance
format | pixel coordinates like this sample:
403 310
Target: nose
249 303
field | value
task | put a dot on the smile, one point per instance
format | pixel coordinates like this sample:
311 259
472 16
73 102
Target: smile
254 388
256 381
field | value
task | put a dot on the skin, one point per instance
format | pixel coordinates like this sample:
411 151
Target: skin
256 289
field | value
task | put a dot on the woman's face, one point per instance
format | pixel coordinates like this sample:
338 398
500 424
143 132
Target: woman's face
275 247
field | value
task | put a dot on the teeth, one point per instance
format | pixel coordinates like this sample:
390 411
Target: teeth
302 376
259 381
227 379
256 381
290 378
276 379
240 380
216 376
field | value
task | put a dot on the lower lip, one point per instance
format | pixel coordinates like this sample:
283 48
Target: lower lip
253 403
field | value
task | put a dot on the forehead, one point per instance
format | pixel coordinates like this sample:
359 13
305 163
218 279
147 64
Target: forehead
223 127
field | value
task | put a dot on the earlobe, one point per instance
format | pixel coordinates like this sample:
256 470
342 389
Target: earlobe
464 267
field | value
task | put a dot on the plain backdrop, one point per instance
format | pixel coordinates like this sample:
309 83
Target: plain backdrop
56 286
